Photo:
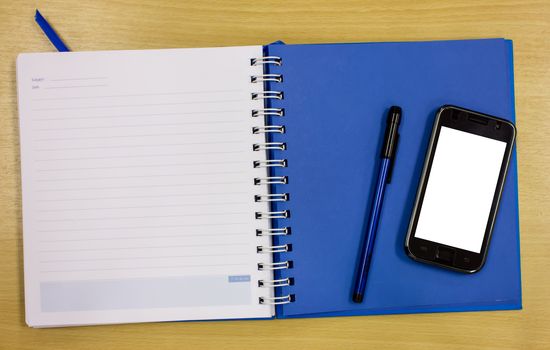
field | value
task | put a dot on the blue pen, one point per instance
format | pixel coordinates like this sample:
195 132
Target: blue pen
384 177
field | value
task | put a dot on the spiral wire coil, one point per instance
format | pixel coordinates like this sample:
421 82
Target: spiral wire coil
271 180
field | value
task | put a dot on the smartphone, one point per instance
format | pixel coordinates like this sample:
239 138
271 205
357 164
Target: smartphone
460 187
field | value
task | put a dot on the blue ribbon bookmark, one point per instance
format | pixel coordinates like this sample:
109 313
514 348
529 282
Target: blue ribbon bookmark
50 33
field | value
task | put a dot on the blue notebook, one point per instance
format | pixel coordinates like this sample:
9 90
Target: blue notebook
335 101
234 183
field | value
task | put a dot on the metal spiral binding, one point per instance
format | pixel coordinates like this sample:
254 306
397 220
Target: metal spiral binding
277 78
286 299
279 129
283 214
264 95
283 248
281 146
266 60
271 180
283 231
270 163
276 197
275 112
276 283
275 266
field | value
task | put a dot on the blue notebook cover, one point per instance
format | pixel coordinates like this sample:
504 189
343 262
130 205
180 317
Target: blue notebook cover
336 98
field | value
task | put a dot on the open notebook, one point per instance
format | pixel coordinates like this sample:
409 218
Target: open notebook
138 186
223 183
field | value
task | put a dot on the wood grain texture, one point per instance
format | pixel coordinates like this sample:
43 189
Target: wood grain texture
124 24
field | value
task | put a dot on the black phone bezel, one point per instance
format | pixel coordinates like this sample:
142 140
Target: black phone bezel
479 124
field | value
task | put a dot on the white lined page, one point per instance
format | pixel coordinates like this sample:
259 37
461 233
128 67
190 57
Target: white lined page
138 194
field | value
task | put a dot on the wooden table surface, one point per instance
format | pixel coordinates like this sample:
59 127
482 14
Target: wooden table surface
125 24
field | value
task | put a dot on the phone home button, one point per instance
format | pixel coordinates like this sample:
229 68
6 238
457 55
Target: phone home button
445 254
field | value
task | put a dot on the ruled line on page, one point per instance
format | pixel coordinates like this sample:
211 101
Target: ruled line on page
214 122
151 166
77 78
177 154
135 176
139 135
210 244
180 205
121 187
144 237
144 257
103 218
148 267
176 185
140 145
143 196
154 114
114 228
133 105
74 86
134 95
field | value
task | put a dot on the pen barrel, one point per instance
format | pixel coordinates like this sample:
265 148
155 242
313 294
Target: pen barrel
368 241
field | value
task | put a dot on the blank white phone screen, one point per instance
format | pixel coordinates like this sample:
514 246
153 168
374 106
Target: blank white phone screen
460 189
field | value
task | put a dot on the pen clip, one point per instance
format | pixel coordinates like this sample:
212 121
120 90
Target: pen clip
392 161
